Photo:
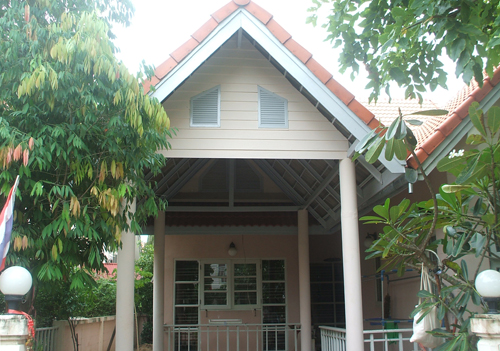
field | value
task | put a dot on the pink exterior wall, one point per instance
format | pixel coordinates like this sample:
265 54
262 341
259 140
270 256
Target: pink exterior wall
249 247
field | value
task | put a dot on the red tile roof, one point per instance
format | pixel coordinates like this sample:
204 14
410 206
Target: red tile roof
283 36
436 129
458 109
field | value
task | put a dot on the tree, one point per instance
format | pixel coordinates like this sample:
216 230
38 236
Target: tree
78 129
405 40
468 212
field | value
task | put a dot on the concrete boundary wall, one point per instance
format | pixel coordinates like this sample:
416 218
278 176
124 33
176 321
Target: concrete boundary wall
94 334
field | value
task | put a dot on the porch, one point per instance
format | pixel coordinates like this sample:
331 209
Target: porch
235 336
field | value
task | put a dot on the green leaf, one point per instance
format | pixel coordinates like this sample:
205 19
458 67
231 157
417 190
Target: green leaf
375 150
389 150
465 271
391 132
400 131
398 75
476 117
456 48
468 170
436 112
494 119
414 122
425 294
400 149
447 188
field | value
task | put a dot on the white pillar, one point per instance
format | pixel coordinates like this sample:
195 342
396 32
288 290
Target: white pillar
13 332
351 256
304 281
158 282
487 328
125 291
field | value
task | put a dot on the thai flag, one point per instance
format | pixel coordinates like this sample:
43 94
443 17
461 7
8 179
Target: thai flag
6 220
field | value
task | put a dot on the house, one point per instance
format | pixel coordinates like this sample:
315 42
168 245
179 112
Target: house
261 237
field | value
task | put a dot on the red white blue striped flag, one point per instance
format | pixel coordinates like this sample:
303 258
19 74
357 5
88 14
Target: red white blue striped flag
6 220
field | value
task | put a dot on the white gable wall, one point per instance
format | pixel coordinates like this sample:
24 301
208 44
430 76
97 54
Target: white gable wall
239 71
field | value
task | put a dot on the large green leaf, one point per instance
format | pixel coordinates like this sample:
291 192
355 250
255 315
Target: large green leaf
494 118
436 112
375 150
400 149
468 170
476 117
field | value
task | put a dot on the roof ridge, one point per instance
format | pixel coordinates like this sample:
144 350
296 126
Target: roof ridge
282 36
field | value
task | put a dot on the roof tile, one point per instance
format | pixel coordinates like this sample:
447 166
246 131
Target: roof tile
281 34
479 93
342 93
205 30
259 13
241 2
496 77
319 71
163 69
184 50
147 84
421 155
298 50
374 124
463 110
361 111
450 124
433 141
225 11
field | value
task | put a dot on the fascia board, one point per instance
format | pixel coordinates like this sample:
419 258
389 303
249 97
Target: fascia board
196 57
458 133
309 81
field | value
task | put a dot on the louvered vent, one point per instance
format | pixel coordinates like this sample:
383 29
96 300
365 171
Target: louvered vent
273 110
205 109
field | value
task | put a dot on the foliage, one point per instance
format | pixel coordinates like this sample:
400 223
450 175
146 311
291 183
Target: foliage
78 129
468 212
405 40
55 301
144 290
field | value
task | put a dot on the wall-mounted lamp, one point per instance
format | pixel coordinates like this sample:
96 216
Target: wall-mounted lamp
370 238
232 250
15 282
488 286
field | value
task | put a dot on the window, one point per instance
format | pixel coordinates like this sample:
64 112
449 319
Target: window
273 110
205 109
245 284
215 288
230 284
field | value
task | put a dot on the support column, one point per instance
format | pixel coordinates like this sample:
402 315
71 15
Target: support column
304 281
125 291
159 281
350 256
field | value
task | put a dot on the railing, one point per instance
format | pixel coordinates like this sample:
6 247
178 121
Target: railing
219 336
45 339
333 339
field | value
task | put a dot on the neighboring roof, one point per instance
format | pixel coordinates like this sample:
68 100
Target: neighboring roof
386 112
458 110
282 36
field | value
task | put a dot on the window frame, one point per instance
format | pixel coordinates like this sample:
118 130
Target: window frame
191 109
284 125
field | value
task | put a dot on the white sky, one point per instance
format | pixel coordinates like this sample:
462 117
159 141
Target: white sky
161 26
